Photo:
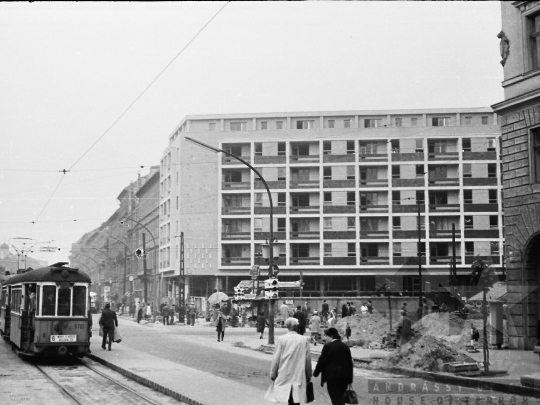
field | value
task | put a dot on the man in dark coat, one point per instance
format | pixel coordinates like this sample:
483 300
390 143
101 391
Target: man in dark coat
325 310
165 313
345 310
301 320
108 322
336 366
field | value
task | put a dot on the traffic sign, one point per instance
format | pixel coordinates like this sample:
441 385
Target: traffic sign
254 272
289 284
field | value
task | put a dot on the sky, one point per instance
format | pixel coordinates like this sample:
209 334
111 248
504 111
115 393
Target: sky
95 89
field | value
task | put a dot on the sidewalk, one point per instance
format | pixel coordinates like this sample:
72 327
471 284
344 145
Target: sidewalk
191 386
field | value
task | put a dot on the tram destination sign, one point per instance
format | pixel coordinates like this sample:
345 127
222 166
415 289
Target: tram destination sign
63 338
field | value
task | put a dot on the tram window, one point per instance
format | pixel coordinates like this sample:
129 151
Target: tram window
49 300
79 301
16 300
64 302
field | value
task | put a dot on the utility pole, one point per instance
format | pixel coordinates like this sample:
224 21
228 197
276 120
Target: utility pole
453 266
144 267
182 283
125 270
419 257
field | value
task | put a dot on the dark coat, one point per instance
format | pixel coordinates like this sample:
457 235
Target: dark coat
301 321
108 319
344 311
325 307
165 311
261 323
335 363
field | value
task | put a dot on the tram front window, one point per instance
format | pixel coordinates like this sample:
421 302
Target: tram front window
49 300
64 301
79 301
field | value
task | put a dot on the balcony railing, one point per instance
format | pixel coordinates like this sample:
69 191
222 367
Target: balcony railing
408 208
408 260
339 261
304 261
443 207
444 259
373 208
235 235
338 183
470 259
266 210
481 207
481 233
374 182
235 210
235 185
375 260
338 158
407 157
305 235
272 185
262 235
446 233
443 155
409 234
235 261
373 157
270 160
227 160
305 158
444 181
302 209
304 184
339 234
479 181
339 209
365 234
408 182
479 155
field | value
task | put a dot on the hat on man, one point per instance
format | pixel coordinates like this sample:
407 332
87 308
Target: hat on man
107 305
315 312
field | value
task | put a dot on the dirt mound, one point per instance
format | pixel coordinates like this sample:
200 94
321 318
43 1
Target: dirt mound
426 353
365 329
453 330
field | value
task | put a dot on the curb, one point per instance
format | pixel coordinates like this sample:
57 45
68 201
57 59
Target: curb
144 381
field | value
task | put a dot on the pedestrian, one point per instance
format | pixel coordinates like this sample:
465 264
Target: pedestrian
108 321
165 313
284 312
444 308
425 308
324 312
404 307
261 323
332 320
291 367
348 332
301 320
370 307
306 310
335 366
221 324
364 309
171 314
352 309
315 327
404 329
475 335
215 312
345 310
148 311
140 313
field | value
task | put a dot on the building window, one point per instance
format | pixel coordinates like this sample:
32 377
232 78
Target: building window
281 224
327 147
346 123
414 122
394 145
533 28
351 224
467 170
466 144
467 196
492 196
495 249
258 149
327 173
485 120
327 250
258 200
493 222
419 171
331 123
469 222
469 248
258 224
440 121
396 197
372 123
327 198
351 250
350 198
281 174
397 249
399 122
350 173
419 146
212 126
279 125
535 154
396 223
420 196
327 223
492 169
467 120
304 124
238 126
281 149
281 197
264 125
350 147
492 144
395 172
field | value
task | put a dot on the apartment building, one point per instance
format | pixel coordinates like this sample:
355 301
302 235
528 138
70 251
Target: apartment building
520 127
352 193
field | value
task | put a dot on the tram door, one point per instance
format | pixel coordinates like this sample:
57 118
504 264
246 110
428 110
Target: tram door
5 311
15 321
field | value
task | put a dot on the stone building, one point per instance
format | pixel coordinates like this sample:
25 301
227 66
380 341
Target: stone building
520 153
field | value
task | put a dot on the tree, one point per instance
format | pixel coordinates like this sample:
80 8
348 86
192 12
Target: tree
390 287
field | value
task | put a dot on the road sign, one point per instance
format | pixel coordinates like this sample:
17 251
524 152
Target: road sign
289 284
254 272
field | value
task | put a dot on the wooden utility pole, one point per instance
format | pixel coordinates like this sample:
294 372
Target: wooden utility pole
145 274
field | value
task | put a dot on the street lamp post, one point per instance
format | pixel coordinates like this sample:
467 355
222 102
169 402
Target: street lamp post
271 238
99 273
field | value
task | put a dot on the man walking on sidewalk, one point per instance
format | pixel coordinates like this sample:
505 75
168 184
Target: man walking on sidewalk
108 321
165 313
284 312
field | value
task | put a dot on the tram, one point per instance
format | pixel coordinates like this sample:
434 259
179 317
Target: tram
47 311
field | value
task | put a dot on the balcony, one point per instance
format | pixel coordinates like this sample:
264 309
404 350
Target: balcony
444 207
305 209
259 235
443 233
402 208
479 181
373 208
339 183
481 207
444 259
366 234
470 259
408 260
235 261
339 209
348 158
408 182
270 160
235 235
374 260
235 210
305 234
407 157
374 182
373 157
443 155
260 210
398 234
339 261
235 185
304 184
227 160
305 261
481 233
272 185
443 181
339 235
304 159
479 155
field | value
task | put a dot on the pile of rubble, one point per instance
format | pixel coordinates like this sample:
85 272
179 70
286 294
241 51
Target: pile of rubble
366 331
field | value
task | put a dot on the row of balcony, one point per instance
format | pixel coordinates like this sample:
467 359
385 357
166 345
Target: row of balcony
351 183
351 209
363 157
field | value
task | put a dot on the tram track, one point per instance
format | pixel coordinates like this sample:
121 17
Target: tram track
85 384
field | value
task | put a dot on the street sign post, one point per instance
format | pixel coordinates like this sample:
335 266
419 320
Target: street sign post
254 272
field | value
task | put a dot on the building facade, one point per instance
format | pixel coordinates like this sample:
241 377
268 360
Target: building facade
520 127
352 193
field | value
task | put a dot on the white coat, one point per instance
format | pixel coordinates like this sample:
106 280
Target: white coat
291 367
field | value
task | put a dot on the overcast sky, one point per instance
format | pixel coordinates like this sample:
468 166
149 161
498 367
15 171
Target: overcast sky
69 70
